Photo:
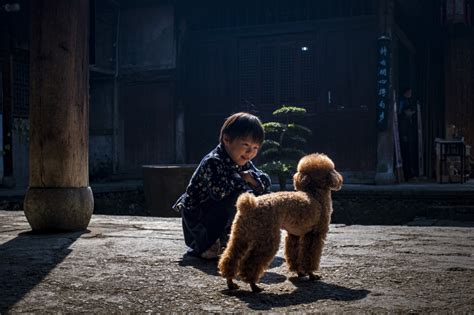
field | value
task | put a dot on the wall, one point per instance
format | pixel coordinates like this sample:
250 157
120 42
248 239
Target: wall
101 128
132 110
1 128
259 68
20 145
459 83
147 39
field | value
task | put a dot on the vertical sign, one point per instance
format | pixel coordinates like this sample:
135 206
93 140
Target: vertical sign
420 140
383 81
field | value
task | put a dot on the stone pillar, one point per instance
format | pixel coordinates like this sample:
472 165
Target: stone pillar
59 196
385 147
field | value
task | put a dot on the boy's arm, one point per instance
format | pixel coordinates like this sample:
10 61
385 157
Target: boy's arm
209 181
248 178
260 181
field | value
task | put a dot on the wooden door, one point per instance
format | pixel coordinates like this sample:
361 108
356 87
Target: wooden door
330 70
344 124
148 125
209 94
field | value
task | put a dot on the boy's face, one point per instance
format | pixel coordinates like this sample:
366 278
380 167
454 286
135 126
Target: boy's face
241 150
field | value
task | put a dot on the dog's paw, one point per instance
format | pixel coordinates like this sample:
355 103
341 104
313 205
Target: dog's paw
314 277
231 285
255 288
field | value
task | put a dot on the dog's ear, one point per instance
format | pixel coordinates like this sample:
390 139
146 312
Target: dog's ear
335 180
301 181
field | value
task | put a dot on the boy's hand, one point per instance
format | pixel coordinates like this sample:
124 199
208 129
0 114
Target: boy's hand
249 179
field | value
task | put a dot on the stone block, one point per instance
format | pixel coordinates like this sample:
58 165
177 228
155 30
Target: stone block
163 184
59 208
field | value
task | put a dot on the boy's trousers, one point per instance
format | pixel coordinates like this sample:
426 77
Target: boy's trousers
203 225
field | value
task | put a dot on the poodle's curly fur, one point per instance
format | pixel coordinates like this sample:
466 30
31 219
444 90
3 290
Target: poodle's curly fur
305 214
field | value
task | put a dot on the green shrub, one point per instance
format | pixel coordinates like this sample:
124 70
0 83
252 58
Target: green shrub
285 143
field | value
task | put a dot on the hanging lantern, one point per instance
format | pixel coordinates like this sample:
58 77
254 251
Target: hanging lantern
455 12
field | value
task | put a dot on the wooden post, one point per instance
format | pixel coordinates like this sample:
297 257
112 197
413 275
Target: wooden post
396 139
384 173
59 196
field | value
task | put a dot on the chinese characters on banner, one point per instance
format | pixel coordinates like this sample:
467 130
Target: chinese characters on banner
383 82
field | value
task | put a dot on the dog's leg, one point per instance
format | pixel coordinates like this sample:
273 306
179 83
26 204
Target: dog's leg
231 285
292 244
313 243
259 257
230 258
253 266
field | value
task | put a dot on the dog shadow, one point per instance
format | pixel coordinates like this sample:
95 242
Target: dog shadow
306 292
277 262
209 266
272 277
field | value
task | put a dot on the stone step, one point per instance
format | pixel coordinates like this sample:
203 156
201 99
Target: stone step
452 212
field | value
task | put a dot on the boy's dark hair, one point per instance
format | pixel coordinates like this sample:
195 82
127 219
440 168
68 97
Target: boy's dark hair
242 125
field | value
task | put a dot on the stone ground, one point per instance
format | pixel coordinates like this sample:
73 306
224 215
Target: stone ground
136 264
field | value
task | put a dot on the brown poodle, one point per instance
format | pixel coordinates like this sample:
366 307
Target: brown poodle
305 214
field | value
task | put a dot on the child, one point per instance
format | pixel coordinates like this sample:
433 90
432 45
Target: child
208 205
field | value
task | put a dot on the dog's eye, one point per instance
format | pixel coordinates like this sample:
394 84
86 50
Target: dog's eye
329 176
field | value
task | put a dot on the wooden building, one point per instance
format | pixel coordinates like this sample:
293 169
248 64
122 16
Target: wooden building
165 74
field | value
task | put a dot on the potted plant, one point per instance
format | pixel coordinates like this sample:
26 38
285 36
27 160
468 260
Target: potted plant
284 144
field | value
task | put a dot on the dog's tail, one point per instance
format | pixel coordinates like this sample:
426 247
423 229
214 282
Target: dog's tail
246 202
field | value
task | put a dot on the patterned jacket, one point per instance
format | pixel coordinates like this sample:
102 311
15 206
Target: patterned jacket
216 177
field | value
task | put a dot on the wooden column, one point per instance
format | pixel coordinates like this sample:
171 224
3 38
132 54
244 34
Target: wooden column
384 173
59 196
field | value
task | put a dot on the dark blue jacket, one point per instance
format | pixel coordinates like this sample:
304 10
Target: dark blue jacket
216 177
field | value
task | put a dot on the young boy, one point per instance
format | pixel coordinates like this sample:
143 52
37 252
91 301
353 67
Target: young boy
208 205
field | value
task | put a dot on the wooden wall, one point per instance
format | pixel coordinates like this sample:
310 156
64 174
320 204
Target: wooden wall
260 68
459 85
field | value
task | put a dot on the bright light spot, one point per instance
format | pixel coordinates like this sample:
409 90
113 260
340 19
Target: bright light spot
304 48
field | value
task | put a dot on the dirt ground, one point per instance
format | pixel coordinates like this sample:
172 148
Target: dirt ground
136 264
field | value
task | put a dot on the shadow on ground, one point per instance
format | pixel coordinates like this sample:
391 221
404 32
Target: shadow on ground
210 267
306 292
27 259
206 266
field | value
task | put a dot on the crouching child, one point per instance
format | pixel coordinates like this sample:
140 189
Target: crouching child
207 206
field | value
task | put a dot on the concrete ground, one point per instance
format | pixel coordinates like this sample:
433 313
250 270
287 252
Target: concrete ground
136 264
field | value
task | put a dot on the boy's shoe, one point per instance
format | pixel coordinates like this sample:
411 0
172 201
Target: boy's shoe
192 253
213 251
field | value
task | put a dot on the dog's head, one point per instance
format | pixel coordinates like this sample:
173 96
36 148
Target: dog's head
316 171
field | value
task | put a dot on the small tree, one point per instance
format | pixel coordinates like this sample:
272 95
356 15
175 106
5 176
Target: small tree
284 144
